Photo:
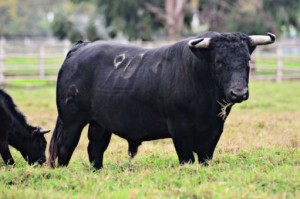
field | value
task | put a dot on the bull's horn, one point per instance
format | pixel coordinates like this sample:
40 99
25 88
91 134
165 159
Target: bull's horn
262 39
44 131
199 43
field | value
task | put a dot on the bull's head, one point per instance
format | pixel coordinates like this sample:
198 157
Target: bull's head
229 58
35 145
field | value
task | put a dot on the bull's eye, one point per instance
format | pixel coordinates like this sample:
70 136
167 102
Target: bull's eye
219 64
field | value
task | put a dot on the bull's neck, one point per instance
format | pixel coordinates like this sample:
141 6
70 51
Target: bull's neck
201 67
19 132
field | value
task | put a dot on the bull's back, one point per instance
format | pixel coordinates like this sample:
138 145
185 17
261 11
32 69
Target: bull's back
114 85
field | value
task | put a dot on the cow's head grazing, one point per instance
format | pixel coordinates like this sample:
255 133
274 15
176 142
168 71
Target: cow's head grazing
33 148
229 60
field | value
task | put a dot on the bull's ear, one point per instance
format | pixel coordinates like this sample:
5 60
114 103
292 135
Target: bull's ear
262 39
199 43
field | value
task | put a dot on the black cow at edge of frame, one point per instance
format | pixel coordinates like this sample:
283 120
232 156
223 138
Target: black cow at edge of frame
183 91
15 131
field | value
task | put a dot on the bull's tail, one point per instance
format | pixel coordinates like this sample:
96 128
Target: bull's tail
53 148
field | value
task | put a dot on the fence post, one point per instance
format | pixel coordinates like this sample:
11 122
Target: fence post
2 66
253 64
42 62
279 64
66 47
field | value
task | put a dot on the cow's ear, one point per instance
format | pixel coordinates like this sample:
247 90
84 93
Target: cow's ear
199 43
251 48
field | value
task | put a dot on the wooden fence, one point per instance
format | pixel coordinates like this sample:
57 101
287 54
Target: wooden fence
277 62
41 59
29 59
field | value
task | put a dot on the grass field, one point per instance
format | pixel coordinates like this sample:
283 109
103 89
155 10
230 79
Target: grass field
30 66
258 156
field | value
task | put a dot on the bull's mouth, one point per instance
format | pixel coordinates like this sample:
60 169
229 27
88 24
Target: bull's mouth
233 101
42 160
39 161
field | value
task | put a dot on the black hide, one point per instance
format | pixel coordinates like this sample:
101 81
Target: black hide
15 131
177 91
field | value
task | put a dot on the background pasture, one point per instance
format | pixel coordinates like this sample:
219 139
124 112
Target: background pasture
258 155
35 59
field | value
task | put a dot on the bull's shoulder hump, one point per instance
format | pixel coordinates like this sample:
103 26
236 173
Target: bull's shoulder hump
76 46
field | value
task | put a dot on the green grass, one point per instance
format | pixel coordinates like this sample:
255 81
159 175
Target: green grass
30 60
258 156
29 66
30 82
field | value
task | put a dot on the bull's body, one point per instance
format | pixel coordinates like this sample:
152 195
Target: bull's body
15 131
144 94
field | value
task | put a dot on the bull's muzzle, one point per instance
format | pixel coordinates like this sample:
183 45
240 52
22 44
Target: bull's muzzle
238 95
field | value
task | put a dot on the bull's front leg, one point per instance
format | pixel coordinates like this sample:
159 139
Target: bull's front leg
181 133
183 150
99 139
206 151
5 153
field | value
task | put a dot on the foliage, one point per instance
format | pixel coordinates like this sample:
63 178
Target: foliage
25 17
131 16
252 17
257 156
145 20
286 13
142 20
91 32
61 26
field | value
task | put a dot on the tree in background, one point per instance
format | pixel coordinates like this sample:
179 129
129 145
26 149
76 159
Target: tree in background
286 13
145 20
20 18
75 21
252 17
174 17
137 19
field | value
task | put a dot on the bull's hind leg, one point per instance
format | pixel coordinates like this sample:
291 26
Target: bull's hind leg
67 141
5 153
99 139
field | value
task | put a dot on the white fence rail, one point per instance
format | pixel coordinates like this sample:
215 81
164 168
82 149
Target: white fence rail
277 62
31 59
42 59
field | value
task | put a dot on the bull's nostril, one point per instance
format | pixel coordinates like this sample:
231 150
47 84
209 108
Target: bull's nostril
238 95
233 93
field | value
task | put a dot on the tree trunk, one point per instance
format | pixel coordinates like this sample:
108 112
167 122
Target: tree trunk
174 17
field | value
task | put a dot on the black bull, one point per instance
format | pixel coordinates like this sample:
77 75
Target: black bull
15 131
183 91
